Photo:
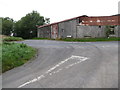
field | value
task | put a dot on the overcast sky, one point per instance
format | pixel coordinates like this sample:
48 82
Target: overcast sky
58 10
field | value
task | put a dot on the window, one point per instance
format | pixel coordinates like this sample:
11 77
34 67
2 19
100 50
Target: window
99 26
112 31
79 20
109 20
62 30
98 20
83 21
91 21
113 20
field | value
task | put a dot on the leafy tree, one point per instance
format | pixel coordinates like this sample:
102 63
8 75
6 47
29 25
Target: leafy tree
108 30
0 25
7 25
47 20
27 26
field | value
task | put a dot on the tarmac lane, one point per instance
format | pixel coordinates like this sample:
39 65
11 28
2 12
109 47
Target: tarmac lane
62 64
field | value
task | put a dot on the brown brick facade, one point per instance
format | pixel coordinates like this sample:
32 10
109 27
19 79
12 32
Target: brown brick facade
100 21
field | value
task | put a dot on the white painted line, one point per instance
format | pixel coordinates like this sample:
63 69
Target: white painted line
57 65
40 77
75 63
49 72
58 70
31 81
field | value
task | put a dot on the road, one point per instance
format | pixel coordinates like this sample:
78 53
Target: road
62 64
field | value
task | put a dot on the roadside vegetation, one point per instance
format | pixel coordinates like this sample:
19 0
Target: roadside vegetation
26 27
12 39
82 39
41 39
14 54
90 39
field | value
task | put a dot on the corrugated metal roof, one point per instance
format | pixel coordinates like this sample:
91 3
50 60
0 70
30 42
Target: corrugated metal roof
103 20
58 22
93 19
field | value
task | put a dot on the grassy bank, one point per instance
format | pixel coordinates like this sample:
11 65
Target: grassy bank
15 54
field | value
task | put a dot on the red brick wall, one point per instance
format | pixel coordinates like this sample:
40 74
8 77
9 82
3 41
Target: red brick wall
103 20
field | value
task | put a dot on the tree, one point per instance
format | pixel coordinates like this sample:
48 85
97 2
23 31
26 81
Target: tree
0 25
47 20
7 25
27 26
107 29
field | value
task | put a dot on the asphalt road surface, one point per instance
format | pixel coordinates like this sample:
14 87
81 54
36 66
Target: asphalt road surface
62 64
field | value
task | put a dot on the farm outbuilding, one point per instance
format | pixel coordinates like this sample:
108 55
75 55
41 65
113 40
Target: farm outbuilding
81 27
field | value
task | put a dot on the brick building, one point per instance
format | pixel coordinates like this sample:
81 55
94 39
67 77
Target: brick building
81 27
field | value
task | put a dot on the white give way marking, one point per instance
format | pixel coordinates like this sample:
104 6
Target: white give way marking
73 60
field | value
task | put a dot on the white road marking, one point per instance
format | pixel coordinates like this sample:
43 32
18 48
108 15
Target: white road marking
57 65
49 72
55 71
106 46
58 70
31 81
76 63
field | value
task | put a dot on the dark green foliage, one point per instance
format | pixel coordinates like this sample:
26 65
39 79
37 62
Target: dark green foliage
0 25
27 26
15 54
7 26
47 20
108 30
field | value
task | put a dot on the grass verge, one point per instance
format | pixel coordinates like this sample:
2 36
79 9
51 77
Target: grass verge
91 39
12 39
15 54
83 39
41 39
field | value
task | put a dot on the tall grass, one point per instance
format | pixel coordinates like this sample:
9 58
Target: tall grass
15 54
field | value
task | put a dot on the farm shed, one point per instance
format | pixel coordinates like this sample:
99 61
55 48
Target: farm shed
81 27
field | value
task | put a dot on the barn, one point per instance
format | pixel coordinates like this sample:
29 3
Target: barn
81 27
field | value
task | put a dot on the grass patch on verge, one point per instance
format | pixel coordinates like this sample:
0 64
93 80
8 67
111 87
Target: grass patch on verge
15 54
41 39
91 39
83 39
12 39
